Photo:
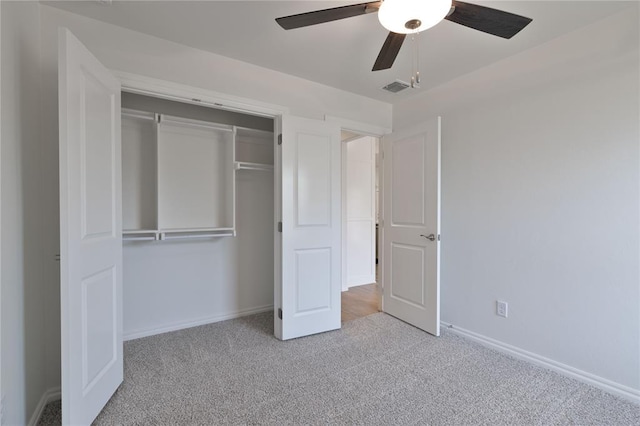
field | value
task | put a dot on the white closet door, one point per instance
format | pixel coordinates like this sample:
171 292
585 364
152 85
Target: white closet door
310 204
411 215
90 232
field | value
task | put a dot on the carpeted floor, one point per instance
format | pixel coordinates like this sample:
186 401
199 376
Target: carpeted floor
376 370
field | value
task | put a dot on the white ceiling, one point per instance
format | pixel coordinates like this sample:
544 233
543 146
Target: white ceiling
339 53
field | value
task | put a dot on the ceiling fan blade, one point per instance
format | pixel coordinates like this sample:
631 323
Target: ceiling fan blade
389 51
327 15
487 20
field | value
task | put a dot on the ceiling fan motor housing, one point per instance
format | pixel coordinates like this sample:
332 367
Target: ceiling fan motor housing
413 24
410 16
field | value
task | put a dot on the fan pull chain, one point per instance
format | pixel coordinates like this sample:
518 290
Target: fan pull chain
418 59
415 60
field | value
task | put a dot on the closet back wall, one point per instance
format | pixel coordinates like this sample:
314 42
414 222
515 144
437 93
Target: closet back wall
170 285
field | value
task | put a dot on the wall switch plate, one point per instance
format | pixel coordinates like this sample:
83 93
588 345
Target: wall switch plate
502 308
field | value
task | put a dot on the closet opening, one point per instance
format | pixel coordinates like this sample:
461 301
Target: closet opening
198 214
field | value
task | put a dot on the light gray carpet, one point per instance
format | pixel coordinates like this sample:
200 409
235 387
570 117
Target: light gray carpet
376 370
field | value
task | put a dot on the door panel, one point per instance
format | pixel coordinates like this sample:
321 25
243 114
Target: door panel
407 274
90 232
411 230
312 180
99 348
310 207
408 181
313 282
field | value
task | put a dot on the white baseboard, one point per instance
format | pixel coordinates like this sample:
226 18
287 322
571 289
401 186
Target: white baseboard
165 328
606 385
50 395
355 281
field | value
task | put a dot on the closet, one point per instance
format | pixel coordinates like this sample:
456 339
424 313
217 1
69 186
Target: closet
198 214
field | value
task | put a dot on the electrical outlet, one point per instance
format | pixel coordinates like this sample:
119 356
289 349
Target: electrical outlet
502 308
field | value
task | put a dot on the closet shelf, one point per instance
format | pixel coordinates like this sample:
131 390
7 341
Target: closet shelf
243 165
141 115
179 234
138 238
192 123
140 235
175 234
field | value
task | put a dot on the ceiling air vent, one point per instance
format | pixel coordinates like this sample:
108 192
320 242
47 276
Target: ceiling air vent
396 86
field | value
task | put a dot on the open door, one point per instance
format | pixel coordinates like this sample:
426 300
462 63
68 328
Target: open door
411 218
308 248
90 232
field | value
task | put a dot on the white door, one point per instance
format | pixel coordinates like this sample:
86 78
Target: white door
360 207
90 232
308 250
411 217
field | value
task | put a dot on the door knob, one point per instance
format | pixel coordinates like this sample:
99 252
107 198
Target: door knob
429 237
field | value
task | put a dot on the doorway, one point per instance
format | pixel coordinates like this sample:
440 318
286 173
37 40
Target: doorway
361 294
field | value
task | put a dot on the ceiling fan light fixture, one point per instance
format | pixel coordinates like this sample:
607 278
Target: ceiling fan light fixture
412 16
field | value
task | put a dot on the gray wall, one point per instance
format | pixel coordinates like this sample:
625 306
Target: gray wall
540 199
23 348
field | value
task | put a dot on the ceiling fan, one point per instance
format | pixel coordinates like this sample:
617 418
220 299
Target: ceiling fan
402 17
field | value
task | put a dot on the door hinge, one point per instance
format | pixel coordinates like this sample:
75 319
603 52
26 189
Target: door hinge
280 313
280 139
279 226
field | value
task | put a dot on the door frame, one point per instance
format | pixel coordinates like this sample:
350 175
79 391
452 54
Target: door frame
345 219
362 129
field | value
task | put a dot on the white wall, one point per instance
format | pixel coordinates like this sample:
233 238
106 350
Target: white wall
129 51
126 50
23 350
540 199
